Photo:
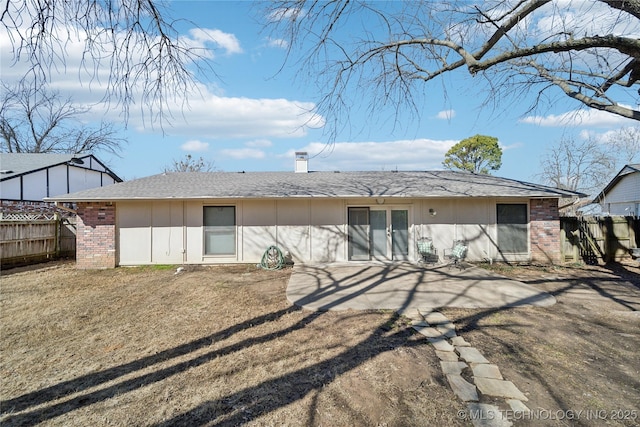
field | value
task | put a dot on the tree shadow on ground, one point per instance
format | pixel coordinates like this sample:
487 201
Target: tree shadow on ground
233 409
247 404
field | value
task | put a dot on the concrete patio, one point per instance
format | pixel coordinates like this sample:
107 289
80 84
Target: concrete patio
405 286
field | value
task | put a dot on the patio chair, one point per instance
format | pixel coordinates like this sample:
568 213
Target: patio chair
428 253
457 254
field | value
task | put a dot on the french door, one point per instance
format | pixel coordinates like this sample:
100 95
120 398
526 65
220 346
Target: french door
380 233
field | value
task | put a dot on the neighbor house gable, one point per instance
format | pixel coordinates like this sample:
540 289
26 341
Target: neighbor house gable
621 196
35 176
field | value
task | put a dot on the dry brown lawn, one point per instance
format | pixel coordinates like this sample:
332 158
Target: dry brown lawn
221 346
217 346
577 361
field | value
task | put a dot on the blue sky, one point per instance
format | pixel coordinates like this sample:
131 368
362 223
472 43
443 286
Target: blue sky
256 114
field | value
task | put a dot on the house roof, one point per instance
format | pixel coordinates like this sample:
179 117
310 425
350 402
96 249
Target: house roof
626 170
16 164
230 185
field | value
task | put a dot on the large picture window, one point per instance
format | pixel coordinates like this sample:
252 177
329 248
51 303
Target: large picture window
220 230
513 235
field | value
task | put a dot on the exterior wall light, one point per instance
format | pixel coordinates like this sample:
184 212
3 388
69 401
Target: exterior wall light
432 212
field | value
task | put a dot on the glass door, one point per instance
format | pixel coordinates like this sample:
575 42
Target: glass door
378 233
359 234
400 234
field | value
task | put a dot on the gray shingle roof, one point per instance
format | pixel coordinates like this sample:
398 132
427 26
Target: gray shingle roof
18 163
210 185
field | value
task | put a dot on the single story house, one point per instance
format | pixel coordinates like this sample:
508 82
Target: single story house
317 217
27 178
622 195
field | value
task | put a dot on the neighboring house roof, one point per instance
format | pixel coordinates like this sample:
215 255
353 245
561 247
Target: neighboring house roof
626 170
17 164
230 185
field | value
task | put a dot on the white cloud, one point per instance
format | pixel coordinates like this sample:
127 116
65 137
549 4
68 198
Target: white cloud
243 153
86 78
203 112
511 146
609 135
585 17
417 154
278 43
195 145
259 143
217 117
286 13
226 41
586 117
446 114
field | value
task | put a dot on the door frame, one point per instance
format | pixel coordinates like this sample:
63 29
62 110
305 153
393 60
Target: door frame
389 256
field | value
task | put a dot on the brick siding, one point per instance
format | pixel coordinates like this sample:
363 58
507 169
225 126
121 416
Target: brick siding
96 236
545 231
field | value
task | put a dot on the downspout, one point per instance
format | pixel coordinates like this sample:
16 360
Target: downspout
184 233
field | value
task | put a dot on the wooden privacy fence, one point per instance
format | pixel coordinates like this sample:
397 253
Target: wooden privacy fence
26 241
594 240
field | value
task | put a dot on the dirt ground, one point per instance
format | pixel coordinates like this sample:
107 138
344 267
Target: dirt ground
221 346
216 346
577 361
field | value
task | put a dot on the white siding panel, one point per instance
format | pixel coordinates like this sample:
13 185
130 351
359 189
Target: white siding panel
623 198
474 218
82 179
107 180
293 235
441 227
311 230
295 240
627 189
167 233
92 179
93 164
195 238
624 209
258 222
57 181
328 240
10 189
77 179
134 233
34 186
459 219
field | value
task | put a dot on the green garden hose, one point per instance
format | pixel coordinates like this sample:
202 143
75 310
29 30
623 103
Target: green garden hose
272 259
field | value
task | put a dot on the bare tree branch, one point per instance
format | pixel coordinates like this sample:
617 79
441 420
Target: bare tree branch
129 48
525 43
588 165
38 121
190 164
629 6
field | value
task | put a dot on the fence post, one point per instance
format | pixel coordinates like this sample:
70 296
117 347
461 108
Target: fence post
56 217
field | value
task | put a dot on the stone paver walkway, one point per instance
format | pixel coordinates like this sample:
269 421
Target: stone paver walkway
418 292
470 375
